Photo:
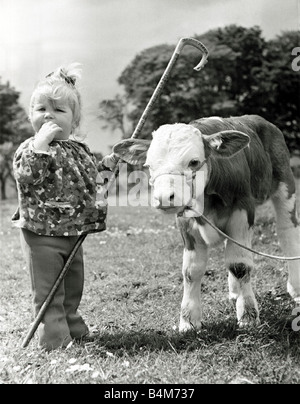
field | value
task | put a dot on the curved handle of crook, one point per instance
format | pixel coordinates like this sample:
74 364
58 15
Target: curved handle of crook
196 44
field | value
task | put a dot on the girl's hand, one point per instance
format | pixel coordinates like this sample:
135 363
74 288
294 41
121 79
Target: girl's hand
45 135
110 161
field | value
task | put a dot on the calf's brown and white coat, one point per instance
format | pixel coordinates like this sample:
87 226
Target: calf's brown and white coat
244 161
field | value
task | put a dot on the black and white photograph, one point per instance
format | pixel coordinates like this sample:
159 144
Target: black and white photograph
150 194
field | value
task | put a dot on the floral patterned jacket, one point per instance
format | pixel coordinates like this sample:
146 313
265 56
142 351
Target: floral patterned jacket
57 189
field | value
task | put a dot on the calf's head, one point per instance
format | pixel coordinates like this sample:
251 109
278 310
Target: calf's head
178 161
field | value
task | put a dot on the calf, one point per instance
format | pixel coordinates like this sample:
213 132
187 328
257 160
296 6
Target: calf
243 162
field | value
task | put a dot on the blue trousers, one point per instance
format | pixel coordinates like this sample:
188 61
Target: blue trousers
45 257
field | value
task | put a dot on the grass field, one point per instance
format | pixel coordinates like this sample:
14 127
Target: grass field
132 295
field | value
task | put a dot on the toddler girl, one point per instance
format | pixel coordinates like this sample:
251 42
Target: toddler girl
56 180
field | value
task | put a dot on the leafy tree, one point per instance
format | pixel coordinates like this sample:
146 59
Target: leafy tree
245 74
14 128
14 125
179 100
188 94
276 90
7 150
112 114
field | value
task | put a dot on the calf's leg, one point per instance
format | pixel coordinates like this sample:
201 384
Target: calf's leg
239 263
288 230
195 257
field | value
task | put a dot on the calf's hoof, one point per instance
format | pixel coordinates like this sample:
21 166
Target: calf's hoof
249 319
185 325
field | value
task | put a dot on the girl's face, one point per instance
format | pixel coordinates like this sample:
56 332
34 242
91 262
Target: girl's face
56 111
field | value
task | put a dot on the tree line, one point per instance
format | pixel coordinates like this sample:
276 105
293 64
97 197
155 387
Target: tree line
14 128
245 74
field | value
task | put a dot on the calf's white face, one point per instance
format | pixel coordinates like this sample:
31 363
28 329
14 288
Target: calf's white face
176 160
175 152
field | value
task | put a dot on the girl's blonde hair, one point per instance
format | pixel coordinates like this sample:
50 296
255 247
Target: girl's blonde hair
61 84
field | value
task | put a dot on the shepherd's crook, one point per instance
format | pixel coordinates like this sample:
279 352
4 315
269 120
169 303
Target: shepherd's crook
161 84
165 76
157 92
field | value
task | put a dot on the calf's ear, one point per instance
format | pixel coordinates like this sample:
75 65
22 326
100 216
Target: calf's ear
227 143
132 151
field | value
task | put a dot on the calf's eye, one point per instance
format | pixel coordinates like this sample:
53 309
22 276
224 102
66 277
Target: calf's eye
194 164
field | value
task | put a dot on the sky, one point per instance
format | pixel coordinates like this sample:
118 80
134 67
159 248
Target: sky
37 36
